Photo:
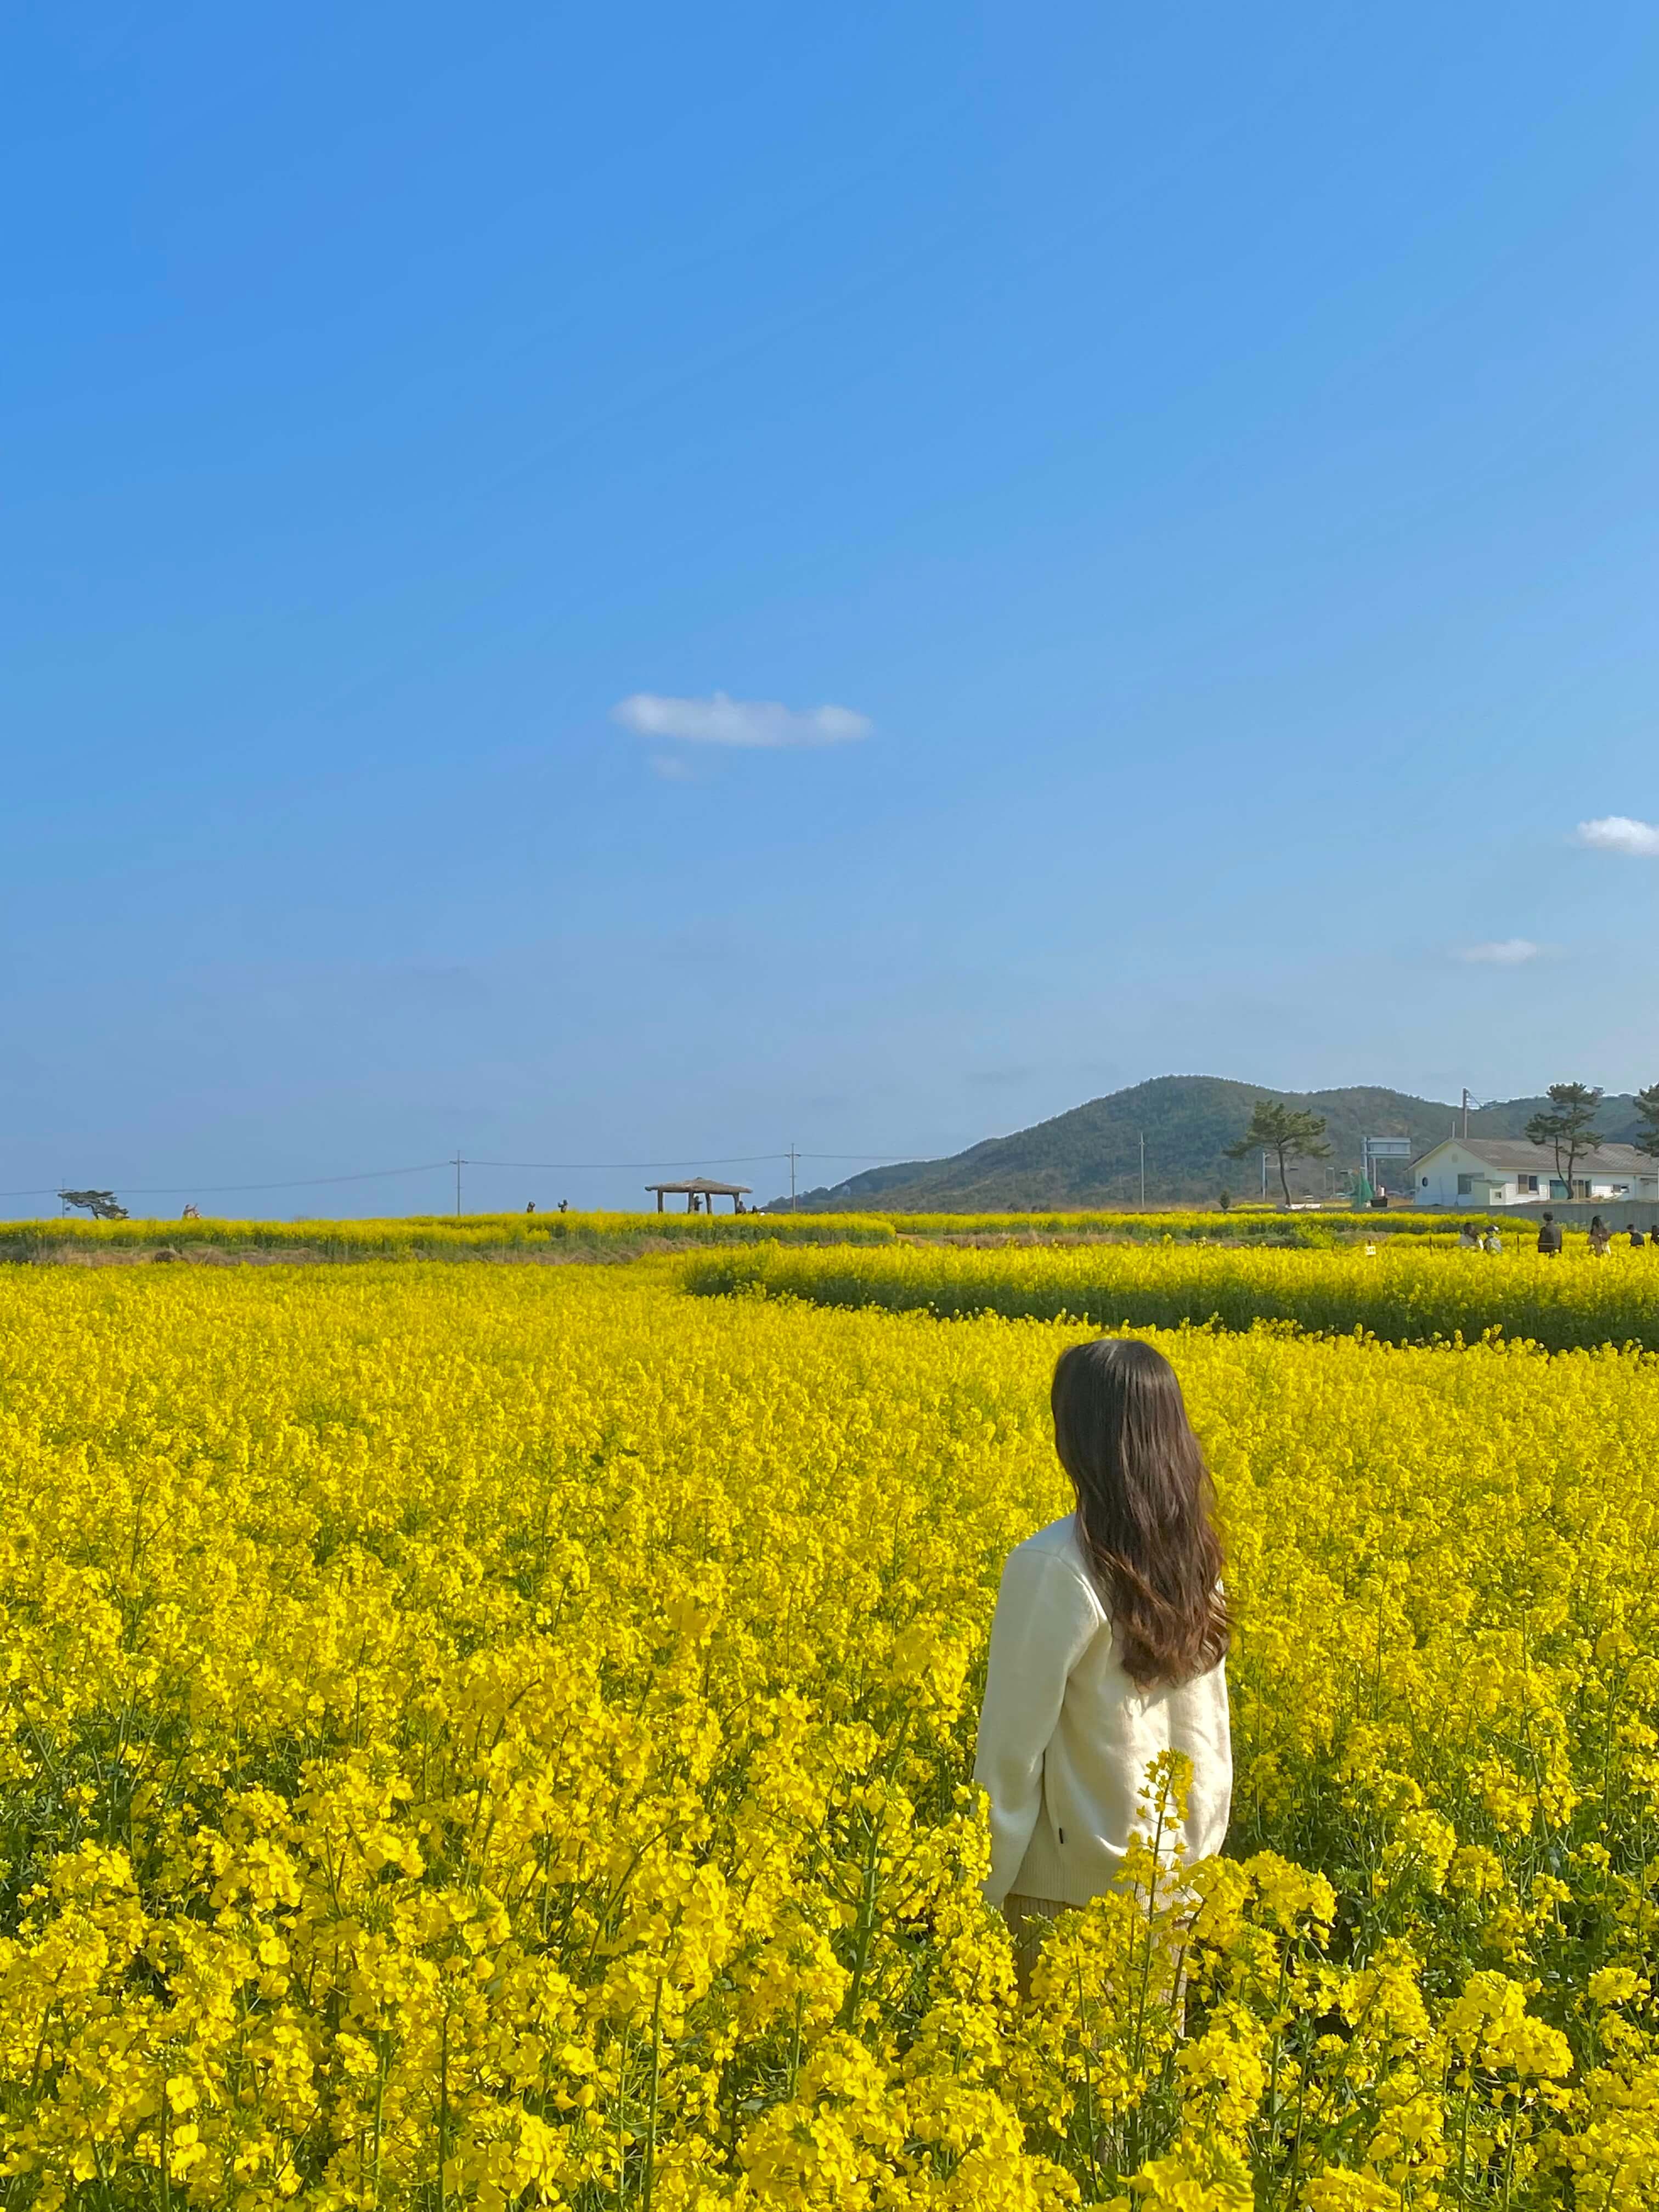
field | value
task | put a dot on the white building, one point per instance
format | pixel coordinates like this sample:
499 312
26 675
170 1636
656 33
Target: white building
1474 1173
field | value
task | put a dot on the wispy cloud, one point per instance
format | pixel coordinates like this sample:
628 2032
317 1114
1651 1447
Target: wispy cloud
752 723
672 767
1501 951
999 1078
1619 833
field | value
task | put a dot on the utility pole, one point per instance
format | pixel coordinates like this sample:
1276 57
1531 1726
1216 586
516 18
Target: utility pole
793 1157
1264 1171
1466 1114
458 1183
1142 1170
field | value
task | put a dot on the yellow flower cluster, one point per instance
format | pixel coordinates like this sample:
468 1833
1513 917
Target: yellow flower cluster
501 1737
1401 1292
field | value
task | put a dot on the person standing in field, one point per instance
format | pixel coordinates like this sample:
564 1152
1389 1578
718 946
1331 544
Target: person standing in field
1549 1237
1600 1237
1637 1239
1109 1647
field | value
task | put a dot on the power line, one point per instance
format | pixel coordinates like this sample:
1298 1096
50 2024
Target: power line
620 1167
373 1175
732 1160
431 1167
212 1189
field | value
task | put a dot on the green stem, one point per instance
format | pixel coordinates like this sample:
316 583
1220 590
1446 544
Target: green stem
380 2112
443 2103
656 2078
867 1923
1088 2088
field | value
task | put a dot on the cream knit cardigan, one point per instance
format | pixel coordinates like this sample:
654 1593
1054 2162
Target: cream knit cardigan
1066 1736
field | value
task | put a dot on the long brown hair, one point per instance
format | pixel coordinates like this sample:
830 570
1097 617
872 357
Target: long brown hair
1145 1506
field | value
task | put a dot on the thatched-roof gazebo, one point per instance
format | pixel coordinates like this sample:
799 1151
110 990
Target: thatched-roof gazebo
699 1192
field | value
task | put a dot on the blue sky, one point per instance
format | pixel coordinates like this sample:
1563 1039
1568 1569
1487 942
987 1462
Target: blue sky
1210 462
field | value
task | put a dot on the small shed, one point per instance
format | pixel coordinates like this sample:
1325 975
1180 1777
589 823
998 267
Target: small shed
699 1192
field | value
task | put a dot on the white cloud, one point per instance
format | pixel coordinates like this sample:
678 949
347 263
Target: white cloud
717 720
1503 953
1617 833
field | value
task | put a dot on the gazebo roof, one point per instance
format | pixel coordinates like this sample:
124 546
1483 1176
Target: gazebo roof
702 1186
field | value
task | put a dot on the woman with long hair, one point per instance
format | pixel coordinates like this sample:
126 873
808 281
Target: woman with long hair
1109 1646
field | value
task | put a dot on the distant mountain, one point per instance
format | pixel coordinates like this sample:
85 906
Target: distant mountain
1091 1156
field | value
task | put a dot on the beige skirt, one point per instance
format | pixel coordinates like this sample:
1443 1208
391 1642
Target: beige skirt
1028 1918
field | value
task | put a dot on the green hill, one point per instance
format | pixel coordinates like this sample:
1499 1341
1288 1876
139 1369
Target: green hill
1091 1156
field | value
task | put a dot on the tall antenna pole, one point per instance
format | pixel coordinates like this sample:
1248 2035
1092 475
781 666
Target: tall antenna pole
1466 1113
793 1157
1142 1170
458 1183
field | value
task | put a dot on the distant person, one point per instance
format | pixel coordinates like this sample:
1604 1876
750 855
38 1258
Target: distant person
1600 1237
1109 1646
1468 1238
1637 1239
192 1212
1494 1240
530 1205
564 1205
1549 1237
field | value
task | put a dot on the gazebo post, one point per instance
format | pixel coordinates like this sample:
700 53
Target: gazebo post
659 1198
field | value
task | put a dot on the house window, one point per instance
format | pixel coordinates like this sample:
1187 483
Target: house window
1426 1182
1465 1185
1528 1182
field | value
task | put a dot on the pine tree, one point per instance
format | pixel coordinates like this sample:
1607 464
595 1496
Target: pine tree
1647 1105
1568 1124
1288 1134
102 1205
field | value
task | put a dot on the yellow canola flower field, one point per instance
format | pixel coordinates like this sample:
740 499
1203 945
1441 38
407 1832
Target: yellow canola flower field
1399 1292
1239 1223
501 1737
434 1235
